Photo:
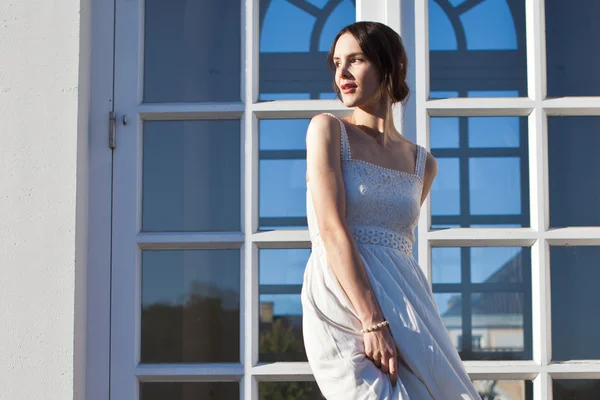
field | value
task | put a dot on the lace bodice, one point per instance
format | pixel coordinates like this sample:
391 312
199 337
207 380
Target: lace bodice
382 204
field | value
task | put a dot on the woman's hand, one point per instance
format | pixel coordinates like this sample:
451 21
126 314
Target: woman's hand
380 348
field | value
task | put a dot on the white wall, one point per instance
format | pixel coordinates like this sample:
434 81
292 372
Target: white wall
39 51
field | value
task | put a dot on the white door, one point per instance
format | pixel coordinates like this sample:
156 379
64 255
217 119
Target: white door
187 303
177 206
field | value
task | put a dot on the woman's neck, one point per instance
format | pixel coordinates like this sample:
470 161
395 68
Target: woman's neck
377 122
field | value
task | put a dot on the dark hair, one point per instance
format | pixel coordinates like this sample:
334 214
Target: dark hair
383 47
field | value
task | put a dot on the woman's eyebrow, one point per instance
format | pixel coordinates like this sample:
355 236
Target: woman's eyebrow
349 55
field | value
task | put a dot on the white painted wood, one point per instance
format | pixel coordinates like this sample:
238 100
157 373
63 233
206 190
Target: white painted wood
126 211
542 387
369 10
249 296
186 240
97 291
572 106
536 50
480 106
421 94
189 372
298 108
177 111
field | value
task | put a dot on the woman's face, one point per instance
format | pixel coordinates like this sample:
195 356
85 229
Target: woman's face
355 75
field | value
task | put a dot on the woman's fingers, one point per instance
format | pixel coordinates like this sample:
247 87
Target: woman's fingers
393 370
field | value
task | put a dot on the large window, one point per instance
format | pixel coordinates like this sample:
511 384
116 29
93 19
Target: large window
511 232
509 237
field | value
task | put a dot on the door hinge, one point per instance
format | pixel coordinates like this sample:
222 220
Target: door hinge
112 130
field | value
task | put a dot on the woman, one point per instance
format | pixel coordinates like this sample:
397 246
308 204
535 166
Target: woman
370 325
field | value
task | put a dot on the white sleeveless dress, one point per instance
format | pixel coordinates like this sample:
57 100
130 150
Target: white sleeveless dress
382 211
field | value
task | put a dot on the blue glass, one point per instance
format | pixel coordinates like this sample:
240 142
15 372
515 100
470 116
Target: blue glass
281 274
572 57
295 37
573 170
191 176
477 48
496 132
445 192
495 186
484 297
189 390
190 303
183 61
444 132
445 265
282 173
574 277
576 389
289 390
483 172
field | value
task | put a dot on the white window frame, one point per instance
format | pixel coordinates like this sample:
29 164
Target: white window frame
539 236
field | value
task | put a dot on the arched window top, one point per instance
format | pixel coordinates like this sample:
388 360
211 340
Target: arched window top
289 25
486 25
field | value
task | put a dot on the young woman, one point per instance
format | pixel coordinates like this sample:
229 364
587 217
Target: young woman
370 324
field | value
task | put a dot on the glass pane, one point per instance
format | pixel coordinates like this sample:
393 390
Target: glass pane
190 306
573 163
282 173
191 176
445 264
450 308
477 48
189 390
504 390
574 277
572 56
483 172
182 60
497 325
576 389
295 37
289 390
281 273
489 288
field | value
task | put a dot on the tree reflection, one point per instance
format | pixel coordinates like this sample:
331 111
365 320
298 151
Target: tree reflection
199 329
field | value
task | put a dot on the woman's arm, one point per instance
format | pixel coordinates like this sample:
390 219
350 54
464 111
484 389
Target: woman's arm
431 168
326 185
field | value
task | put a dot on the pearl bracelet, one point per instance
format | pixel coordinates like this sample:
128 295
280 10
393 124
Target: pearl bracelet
374 327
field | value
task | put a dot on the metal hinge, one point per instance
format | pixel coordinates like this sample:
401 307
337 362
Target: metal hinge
112 130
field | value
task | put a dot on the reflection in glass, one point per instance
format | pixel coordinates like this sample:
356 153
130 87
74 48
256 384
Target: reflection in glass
574 277
572 56
190 306
182 60
576 389
477 48
445 264
189 390
484 297
289 390
449 306
483 172
573 170
281 273
191 176
295 36
504 390
282 173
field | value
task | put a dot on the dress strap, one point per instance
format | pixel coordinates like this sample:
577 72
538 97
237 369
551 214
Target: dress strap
421 161
346 153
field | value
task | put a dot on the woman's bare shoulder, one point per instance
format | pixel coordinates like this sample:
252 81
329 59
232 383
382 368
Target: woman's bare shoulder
322 129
